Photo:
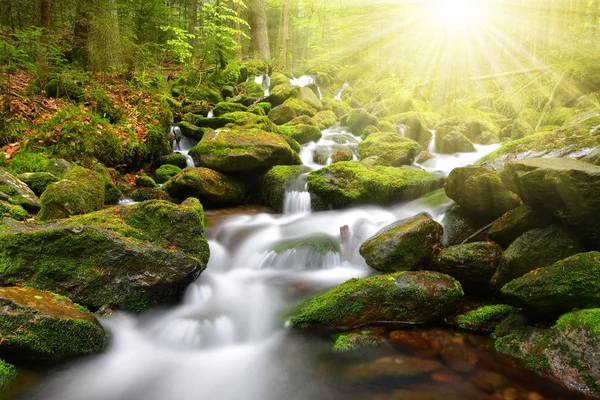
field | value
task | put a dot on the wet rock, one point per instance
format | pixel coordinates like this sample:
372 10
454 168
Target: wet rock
358 119
17 192
38 181
191 130
392 367
515 223
480 192
302 133
547 292
486 318
309 97
458 226
567 189
144 194
459 357
227 107
282 114
301 108
415 129
8 374
274 183
412 297
406 245
325 119
248 120
39 325
210 187
278 79
472 264
347 342
490 381
145 181
227 150
80 191
280 93
176 159
393 148
351 183
129 257
341 155
166 172
417 342
537 248
455 142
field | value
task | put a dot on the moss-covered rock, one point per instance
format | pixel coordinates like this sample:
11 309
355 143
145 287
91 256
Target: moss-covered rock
301 133
249 120
17 192
65 88
80 192
112 193
8 374
210 187
145 181
58 167
228 150
226 107
488 138
479 191
300 107
406 245
282 114
166 172
262 108
472 264
346 342
176 159
393 148
309 97
341 155
338 107
190 130
454 142
535 249
486 318
548 292
39 325
8 210
412 297
277 79
415 128
280 93
458 226
38 181
325 119
515 223
350 183
358 119
274 182
567 189
129 257
144 194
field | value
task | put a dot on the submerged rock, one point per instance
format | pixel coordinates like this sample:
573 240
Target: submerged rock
486 318
393 367
350 183
403 246
410 297
567 284
39 325
227 150
393 148
17 192
128 257
210 187
537 248
347 342
472 264
480 192
274 183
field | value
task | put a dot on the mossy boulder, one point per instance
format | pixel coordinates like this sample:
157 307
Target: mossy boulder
488 138
17 192
358 119
39 325
58 167
300 107
262 108
393 148
212 123
341 155
8 210
112 193
515 223
145 181
80 192
65 88
415 128
166 172
236 150
302 133
274 182
191 131
325 119
248 120
176 159
472 264
277 79
38 181
454 142
226 107
458 226
251 89
309 97
535 249
409 297
8 374
486 318
282 114
210 187
567 189
280 93
338 107
567 284
129 257
350 183
406 245
144 194
479 191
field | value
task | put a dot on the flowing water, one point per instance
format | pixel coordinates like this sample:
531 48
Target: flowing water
228 339
182 144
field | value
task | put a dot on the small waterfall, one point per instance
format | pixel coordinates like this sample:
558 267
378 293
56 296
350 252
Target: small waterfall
182 144
211 114
297 199
320 93
431 147
400 129
303 80
125 201
264 81
300 259
345 86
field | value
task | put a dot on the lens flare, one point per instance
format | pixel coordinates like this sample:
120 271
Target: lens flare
456 14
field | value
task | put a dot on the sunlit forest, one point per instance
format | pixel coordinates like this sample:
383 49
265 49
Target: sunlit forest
299 199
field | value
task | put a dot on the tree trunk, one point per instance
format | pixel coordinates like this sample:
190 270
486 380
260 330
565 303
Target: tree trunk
193 16
283 35
45 7
235 7
259 38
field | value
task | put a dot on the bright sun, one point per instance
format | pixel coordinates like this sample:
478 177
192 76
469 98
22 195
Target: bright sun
456 14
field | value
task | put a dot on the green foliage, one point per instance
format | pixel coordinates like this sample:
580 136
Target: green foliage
27 161
177 47
104 106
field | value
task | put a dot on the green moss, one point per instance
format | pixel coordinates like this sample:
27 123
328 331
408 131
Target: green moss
8 373
325 119
227 107
266 107
346 342
11 211
176 159
278 79
300 107
211 187
274 183
301 133
485 318
320 244
251 89
38 181
144 181
584 319
248 120
144 194
27 161
394 149
280 93
65 88
166 172
104 106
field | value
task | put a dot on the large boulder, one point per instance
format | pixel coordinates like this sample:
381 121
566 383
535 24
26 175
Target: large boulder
567 189
129 257
567 284
479 191
282 114
537 248
81 191
310 98
226 107
280 93
38 181
248 120
516 222
325 119
472 264
358 119
274 184
192 131
228 150
403 246
301 133
166 172
39 325
393 148
454 142
17 192
300 107
350 183
409 297
212 188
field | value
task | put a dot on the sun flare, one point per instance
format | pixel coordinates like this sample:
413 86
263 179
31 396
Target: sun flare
456 14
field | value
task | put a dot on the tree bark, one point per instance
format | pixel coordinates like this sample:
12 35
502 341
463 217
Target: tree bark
283 35
45 10
235 7
259 38
193 16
